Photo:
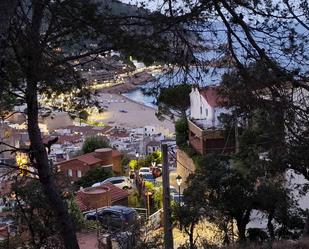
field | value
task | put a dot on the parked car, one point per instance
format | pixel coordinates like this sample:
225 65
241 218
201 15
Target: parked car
177 199
116 217
122 182
148 177
173 190
144 170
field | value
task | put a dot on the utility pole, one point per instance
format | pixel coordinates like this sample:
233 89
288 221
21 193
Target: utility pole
167 214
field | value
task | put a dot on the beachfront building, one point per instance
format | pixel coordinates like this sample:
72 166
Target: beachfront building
205 129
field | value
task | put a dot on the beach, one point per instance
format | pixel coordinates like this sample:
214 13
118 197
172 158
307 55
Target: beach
123 112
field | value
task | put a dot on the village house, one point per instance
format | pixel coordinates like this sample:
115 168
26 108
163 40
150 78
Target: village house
153 146
77 167
205 128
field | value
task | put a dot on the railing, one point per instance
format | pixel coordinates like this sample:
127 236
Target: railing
155 220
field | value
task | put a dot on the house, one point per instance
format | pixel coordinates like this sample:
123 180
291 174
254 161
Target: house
152 147
102 196
77 167
205 128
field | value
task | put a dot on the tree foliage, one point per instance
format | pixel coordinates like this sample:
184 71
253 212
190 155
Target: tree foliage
32 211
173 101
93 143
97 174
182 136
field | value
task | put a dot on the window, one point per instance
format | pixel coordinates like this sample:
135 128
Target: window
117 181
79 173
201 110
70 172
206 111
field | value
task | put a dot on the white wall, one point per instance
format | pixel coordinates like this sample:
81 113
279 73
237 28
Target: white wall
200 109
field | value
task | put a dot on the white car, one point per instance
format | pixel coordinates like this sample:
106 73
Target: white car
122 182
144 170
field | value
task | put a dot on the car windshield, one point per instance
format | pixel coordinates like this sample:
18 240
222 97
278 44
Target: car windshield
144 170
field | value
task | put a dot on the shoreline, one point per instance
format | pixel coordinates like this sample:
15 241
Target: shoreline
136 102
127 113
130 83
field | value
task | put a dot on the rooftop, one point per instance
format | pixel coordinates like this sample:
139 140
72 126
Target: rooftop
115 192
211 95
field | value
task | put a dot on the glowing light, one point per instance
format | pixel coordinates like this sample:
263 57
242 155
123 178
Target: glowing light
22 163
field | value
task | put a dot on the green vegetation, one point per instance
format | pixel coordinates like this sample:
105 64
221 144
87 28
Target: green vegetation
135 200
181 128
158 197
93 143
125 164
32 210
133 164
97 174
156 157
76 214
149 186
173 101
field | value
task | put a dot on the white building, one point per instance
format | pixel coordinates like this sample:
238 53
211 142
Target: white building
205 106
152 147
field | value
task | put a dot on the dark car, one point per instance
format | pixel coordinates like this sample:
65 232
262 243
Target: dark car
177 199
115 217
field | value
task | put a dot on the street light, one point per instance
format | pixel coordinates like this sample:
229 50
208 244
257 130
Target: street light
179 181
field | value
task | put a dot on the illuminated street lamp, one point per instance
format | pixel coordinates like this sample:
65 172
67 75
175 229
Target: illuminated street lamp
179 181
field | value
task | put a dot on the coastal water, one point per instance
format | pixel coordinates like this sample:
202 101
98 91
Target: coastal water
210 77
138 95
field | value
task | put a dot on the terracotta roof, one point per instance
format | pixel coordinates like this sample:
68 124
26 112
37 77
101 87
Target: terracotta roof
212 97
89 159
62 139
115 192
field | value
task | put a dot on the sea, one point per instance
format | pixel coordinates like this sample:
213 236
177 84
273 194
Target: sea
147 93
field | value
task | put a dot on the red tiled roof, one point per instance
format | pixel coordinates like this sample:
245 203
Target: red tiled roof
64 138
115 192
212 97
88 158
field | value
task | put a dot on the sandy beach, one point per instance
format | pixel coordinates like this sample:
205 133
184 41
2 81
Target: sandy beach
123 112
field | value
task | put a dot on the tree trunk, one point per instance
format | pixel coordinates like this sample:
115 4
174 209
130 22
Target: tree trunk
306 228
270 226
191 237
241 231
40 160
